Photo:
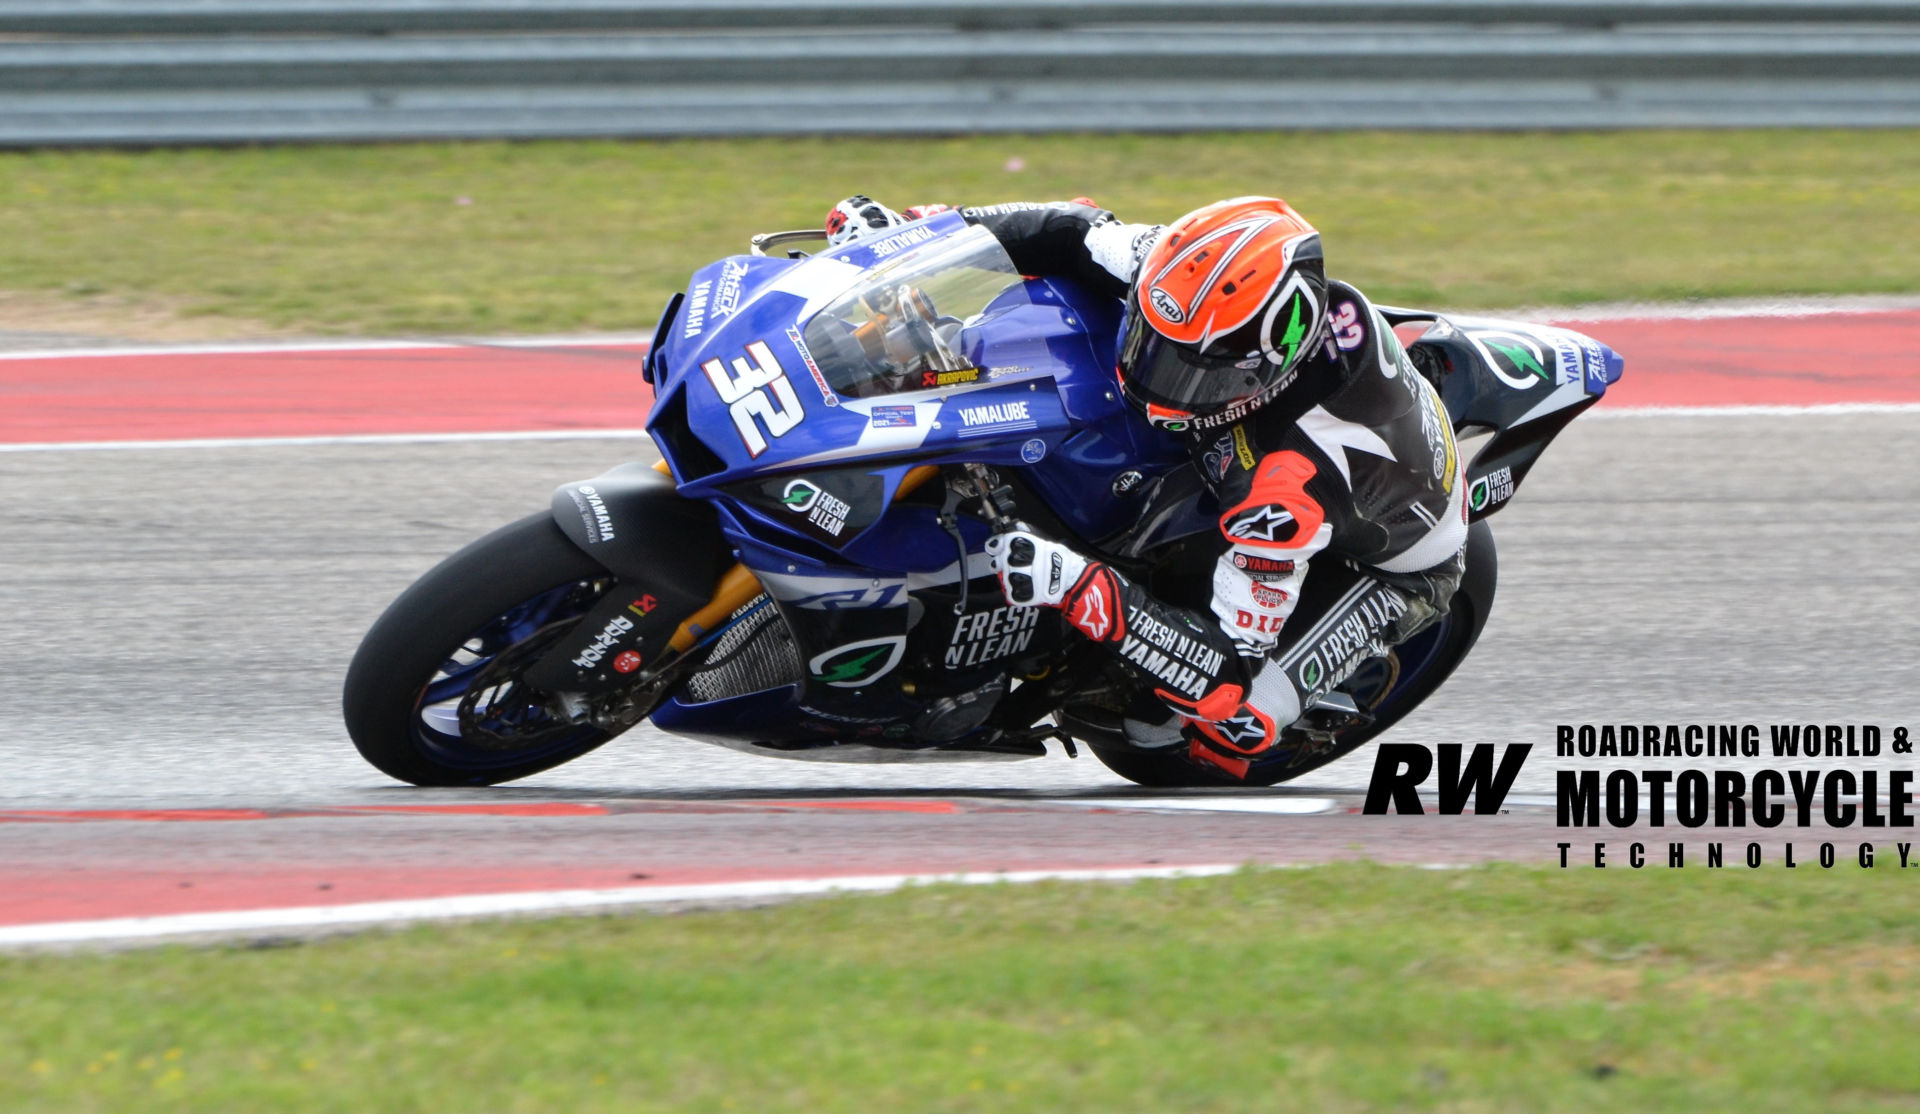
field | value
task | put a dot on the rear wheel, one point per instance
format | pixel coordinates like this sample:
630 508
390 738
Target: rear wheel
1387 688
434 695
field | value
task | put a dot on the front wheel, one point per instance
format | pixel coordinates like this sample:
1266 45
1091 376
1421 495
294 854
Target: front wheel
435 694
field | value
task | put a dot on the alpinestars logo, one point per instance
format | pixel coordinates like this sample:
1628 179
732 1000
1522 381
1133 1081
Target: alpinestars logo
1262 524
1095 605
1247 732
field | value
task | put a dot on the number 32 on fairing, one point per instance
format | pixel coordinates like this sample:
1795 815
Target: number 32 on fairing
745 393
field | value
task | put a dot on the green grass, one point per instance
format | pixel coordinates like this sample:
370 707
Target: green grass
593 235
1342 988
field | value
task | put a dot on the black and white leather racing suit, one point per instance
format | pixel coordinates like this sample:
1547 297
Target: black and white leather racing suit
1343 521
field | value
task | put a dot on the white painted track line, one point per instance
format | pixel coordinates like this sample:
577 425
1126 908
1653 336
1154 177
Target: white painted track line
330 439
1272 806
241 348
153 930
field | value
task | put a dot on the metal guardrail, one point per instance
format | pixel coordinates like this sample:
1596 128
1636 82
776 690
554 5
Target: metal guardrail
226 71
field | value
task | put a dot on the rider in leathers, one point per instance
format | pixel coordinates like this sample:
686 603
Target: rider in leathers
1322 443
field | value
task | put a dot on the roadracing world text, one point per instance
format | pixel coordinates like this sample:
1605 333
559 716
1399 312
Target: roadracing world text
1813 785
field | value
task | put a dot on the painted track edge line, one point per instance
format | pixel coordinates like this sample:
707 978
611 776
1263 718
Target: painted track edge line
158 929
1812 410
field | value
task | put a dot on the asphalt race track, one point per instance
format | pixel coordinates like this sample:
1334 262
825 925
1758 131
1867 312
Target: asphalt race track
178 620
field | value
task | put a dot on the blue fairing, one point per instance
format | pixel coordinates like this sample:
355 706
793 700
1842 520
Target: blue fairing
804 474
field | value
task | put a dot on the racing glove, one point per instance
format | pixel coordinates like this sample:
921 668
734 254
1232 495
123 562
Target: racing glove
1039 572
1188 661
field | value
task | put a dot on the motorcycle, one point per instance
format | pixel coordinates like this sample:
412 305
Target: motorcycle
802 574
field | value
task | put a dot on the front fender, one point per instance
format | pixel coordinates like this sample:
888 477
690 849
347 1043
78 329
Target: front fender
632 521
666 553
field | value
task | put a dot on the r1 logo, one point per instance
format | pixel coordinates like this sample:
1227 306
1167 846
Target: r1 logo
745 393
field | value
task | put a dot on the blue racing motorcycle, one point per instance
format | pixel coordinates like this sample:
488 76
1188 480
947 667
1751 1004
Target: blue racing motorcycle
802 574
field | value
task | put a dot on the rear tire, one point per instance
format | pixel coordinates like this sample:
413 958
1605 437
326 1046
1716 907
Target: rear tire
1440 649
481 602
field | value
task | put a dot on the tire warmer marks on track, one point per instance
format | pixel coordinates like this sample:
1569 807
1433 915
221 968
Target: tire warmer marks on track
426 389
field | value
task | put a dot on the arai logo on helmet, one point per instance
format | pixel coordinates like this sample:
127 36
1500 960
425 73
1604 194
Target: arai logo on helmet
1167 305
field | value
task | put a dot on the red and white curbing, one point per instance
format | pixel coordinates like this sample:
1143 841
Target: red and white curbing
134 931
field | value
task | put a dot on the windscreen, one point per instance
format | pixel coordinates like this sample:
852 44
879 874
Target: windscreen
900 327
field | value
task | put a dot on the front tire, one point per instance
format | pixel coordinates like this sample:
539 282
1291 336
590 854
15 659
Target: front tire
477 618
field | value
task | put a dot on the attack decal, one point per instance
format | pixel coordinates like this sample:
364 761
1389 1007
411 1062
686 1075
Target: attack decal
858 663
726 296
893 417
988 636
1126 482
1490 490
1033 451
626 661
1095 607
746 394
813 369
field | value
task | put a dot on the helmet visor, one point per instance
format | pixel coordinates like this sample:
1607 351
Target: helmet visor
1154 369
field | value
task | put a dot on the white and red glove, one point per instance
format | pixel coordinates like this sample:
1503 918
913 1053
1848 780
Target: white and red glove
1038 572
858 216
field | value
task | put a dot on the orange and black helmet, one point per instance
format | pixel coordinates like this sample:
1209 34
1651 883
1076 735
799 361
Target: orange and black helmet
1225 309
